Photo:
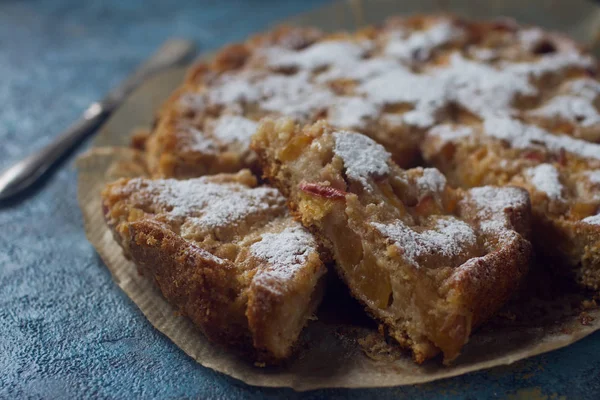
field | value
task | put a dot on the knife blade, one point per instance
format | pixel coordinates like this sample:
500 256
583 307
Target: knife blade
28 171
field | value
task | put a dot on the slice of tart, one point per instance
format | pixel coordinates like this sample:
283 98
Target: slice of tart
430 262
225 253
561 173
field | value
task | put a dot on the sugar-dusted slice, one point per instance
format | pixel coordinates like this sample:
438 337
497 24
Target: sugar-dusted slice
561 173
225 253
430 262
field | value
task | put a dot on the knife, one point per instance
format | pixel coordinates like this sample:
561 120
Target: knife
28 171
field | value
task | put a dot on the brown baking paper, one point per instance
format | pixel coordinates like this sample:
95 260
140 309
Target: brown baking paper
341 348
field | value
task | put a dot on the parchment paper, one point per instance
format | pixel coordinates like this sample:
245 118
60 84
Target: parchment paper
341 348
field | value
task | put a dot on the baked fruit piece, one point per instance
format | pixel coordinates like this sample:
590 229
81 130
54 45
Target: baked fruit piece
561 173
225 253
431 262
391 82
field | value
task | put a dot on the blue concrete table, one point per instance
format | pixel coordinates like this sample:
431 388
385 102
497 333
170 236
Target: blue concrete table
66 331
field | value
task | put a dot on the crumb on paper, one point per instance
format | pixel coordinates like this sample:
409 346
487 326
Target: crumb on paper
375 347
585 319
589 304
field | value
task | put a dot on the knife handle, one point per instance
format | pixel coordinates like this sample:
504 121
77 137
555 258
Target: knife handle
26 172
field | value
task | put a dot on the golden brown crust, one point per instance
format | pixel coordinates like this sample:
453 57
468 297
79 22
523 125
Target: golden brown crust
203 287
493 278
212 246
431 262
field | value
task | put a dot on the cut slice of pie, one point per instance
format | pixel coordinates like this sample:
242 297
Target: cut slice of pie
225 253
432 263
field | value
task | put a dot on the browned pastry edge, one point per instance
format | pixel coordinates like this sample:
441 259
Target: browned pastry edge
247 315
199 285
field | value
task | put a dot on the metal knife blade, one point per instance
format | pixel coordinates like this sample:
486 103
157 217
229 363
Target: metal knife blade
26 172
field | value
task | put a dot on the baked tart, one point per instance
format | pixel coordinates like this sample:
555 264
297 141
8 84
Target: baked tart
430 262
225 253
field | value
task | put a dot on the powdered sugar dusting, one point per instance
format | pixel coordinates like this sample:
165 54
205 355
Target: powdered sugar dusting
352 112
546 179
200 142
483 89
419 45
291 95
318 55
234 89
583 87
233 128
571 108
483 54
294 96
431 182
192 101
363 158
206 204
593 176
492 203
388 79
284 252
593 220
449 239
497 199
402 86
551 63
446 133
523 136
530 38
360 70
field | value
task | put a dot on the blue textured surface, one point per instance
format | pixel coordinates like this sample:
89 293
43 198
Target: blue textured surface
66 331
